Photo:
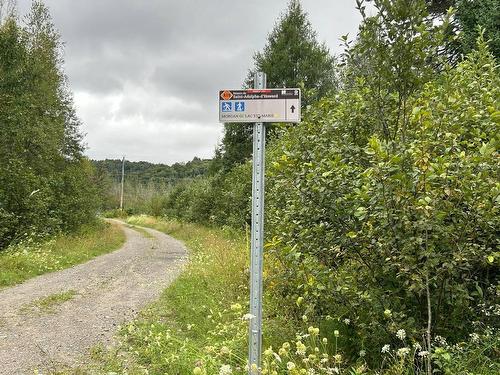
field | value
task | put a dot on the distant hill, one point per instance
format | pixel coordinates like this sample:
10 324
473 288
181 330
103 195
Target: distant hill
146 172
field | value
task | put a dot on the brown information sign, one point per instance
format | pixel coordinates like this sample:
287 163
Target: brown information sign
267 105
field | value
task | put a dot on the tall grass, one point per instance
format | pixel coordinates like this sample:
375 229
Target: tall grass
199 325
32 258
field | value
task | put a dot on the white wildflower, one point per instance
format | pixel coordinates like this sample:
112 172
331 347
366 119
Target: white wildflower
225 370
277 357
290 365
313 331
347 321
386 348
362 353
301 348
332 370
474 337
440 340
423 353
403 352
401 334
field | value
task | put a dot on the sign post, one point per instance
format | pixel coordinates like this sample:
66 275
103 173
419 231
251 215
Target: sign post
257 238
259 105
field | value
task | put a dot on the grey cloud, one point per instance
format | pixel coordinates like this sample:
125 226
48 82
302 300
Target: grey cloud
146 73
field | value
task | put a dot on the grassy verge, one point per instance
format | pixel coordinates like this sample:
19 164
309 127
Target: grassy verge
141 230
199 313
199 321
24 261
199 325
49 303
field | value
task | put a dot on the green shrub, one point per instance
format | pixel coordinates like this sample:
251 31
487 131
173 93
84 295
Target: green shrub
372 229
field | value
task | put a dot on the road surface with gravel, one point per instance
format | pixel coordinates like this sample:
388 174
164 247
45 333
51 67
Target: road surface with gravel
104 292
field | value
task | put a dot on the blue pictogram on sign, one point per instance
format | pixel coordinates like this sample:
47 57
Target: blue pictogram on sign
239 106
227 106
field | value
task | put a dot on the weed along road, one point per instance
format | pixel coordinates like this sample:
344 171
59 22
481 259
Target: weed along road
54 319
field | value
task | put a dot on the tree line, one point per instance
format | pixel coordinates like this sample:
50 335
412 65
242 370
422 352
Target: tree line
146 185
46 183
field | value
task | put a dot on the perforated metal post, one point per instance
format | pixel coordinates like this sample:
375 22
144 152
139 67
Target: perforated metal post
257 238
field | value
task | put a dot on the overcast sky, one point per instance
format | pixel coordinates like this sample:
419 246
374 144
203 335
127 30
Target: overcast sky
145 73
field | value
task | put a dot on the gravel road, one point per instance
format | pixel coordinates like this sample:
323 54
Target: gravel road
110 290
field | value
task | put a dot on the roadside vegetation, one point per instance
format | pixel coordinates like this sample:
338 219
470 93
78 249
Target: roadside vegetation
200 320
174 332
32 258
200 325
46 183
382 248
382 204
146 185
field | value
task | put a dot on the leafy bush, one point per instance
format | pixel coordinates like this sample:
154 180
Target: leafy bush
223 199
395 232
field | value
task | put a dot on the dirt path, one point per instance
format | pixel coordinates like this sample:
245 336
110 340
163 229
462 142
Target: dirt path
108 290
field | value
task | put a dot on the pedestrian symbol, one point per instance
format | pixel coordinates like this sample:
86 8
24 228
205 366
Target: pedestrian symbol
227 106
239 106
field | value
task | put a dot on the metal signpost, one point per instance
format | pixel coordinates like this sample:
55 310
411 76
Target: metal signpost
264 105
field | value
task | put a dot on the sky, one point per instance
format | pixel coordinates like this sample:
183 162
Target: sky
145 74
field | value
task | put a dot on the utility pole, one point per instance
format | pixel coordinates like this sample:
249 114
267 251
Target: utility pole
123 178
257 238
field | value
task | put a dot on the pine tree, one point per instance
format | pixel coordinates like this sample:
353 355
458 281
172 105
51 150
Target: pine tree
292 57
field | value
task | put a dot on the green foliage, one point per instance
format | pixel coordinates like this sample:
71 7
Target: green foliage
45 182
144 172
292 57
470 16
377 207
174 332
473 15
48 304
146 185
223 199
199 326
382 221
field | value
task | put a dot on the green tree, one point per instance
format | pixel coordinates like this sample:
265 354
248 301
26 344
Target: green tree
470 16
292 57
473 15
45 182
